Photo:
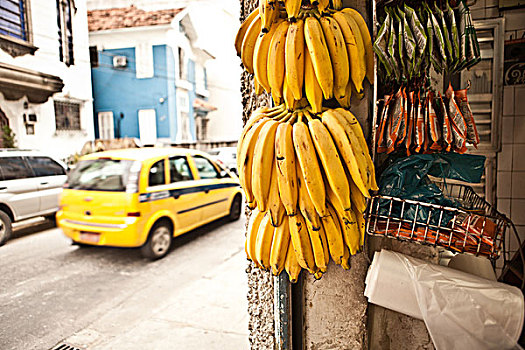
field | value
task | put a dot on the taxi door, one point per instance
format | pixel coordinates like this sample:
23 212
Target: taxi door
215 193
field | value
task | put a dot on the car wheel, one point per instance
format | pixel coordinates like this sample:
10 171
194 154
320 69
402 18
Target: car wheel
159 241
5 227
235 209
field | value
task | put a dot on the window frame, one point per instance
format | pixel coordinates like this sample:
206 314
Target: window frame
29 160
192 176
218 171
65 31
18 47
160 161
30 172
67 104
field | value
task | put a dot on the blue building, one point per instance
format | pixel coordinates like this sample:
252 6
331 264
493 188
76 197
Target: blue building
149 78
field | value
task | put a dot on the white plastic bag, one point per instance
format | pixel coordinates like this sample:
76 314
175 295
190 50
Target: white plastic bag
460 310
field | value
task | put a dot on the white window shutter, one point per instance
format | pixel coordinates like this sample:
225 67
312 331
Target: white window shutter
144 61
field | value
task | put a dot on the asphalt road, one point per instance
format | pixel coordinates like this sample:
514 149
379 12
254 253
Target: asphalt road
101 298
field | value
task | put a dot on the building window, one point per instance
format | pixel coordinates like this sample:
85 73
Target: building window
67 115
183 72
65 31
93 56
13 19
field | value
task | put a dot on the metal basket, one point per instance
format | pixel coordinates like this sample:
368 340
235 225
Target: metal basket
476 227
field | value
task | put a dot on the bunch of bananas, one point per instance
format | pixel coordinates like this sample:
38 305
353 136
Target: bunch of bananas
318 51
306 176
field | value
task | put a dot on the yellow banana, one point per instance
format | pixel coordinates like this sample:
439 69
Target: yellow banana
317 246
281 240
338 54
357 67
289 99
306 206
253 227
263 243
323 5
350 230
292 8
312 89
349 150
275 64
345 100
324 242
357 198
263 159
257 87
245 161
320 56
248 44
260 57
242 31
307 157
294 58
275 205
301 242
286 167
291 264
269 12
334 235
332 165
345 261
358 132
337 4
361 223
367 42
360 47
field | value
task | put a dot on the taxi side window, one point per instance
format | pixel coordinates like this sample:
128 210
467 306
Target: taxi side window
157 176
205 168
179 169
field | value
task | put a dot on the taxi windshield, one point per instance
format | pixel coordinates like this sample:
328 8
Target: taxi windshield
100 175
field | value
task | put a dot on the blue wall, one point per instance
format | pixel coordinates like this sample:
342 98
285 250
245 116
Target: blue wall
119 91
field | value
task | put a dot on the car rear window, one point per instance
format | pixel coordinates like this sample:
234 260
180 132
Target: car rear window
100 175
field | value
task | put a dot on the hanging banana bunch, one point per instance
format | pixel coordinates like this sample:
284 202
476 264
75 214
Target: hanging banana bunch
305 169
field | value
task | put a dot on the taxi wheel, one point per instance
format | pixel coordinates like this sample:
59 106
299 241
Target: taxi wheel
5 227
159 241
235 209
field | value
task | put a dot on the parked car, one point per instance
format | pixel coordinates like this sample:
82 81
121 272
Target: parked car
227 156
30 186
143 197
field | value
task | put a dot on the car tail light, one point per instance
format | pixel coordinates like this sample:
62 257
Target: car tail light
132 186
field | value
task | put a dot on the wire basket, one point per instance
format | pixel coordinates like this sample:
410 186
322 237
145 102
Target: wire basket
476 227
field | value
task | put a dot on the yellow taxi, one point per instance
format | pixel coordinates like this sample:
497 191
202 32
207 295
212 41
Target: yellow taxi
143 197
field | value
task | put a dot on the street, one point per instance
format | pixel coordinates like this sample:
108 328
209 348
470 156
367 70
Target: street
109 298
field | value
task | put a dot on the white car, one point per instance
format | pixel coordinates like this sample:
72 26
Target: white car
227 156
30 185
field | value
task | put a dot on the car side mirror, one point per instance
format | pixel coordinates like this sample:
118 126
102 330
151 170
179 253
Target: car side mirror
223 174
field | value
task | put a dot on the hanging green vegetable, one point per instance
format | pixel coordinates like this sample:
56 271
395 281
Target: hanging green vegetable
446 34
380 45
462 13
454 36
419 35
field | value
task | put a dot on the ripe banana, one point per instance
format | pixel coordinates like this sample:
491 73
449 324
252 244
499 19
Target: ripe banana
338 54
269 12
248 44
345 261
275 205
260 57
337 4
286 167
323 5
301 242
334 124
253 227
360 46
257 87
281 240
276 61
294 58
292 8
357 198
358 132
367 41
263 243
324 242
345 100
320 56
289 99
334 235
263 159
245 161
242 31
357 66
312 177
361 223
317 246
291 264
333 168
350 230
306 205
312 89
